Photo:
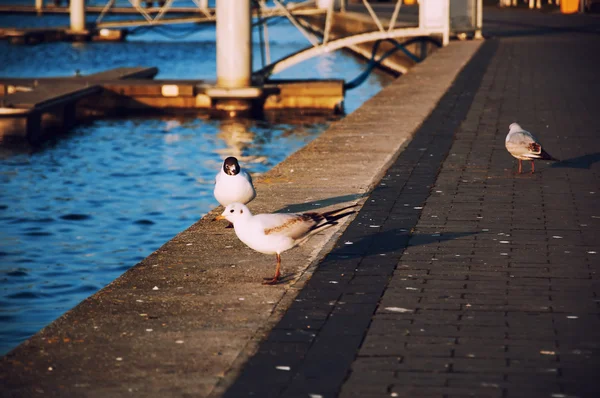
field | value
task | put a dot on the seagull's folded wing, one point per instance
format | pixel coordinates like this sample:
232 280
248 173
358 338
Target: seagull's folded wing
294 226
247 176
523 143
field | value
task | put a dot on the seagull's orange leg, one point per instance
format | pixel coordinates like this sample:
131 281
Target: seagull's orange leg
532 167
277 273
520 166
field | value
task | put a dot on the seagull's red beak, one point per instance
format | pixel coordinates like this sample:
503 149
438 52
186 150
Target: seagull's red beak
219 217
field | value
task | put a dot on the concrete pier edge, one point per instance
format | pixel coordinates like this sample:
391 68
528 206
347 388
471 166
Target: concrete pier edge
186 318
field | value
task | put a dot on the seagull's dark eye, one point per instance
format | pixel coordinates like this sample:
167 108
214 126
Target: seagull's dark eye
231 211
241 211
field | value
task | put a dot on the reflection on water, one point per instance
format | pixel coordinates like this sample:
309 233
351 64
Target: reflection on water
81 210
237 137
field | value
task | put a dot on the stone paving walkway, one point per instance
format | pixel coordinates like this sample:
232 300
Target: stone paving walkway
458 277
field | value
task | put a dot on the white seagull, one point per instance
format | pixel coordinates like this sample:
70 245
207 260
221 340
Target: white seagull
232 184
277 232
524 146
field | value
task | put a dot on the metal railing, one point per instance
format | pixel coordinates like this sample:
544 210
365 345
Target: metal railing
434 19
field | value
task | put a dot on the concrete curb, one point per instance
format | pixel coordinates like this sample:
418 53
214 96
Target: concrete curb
187 317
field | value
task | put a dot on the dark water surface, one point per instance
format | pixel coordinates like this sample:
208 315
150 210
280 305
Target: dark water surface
78 212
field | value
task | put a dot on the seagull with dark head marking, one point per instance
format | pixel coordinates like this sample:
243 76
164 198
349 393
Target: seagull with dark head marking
232 184
524 146
275 233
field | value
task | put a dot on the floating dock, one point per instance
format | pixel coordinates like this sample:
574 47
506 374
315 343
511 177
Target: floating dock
54 9
35 109
60 33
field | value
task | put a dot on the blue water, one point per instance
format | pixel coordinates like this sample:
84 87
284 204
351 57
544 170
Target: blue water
78 212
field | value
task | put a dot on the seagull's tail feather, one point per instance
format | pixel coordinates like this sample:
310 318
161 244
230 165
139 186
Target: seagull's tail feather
546 156
328 219
335 213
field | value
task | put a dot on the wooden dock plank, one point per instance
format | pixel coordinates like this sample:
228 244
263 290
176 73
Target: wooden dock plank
125 73
46 96
9 85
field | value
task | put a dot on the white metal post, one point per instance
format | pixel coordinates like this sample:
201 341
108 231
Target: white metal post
435 15
234 43
446 18
479 20
77 15
325 4
39 5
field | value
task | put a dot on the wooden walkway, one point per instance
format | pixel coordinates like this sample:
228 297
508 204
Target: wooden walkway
24 102
44 97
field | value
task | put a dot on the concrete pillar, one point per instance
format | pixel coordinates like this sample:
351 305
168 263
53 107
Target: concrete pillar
234 43
33 127
77 13
69 116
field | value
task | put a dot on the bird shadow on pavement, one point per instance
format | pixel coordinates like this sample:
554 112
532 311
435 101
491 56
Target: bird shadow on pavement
580 162
316 204
394 240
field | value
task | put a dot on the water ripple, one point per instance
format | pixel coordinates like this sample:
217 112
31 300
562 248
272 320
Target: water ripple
17 273
144 222
37 233
29 295
75 217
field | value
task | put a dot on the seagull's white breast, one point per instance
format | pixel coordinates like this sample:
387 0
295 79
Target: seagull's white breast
237 188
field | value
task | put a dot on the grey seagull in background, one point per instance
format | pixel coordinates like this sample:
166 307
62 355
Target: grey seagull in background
524 146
